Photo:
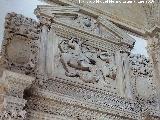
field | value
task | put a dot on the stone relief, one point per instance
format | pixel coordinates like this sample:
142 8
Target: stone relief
72 17
94 66
78 63
91 25
90 66
109 67
12 102
88 23
143 84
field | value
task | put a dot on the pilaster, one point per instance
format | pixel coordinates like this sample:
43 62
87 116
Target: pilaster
154 54
48 47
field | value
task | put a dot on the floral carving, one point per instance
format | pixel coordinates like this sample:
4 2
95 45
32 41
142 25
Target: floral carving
88 23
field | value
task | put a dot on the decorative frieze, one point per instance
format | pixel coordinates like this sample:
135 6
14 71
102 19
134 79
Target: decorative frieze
68 109
86 96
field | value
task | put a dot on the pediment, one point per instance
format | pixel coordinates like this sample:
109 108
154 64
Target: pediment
73 18
131 15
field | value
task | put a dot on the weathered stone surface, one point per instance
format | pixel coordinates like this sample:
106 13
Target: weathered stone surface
82 67
136 16
11 95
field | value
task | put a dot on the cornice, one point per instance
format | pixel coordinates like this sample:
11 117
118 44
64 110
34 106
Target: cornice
65 99
92 11
151 11
89 39
68 91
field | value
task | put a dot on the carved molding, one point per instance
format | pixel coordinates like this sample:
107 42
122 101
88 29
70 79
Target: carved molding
60 104
131 26
13 109
83 95
15 83
12 101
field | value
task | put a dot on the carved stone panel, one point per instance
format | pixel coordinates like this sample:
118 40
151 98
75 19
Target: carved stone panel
20 45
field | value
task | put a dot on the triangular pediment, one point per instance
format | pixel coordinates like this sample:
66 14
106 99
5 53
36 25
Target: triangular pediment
74 18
